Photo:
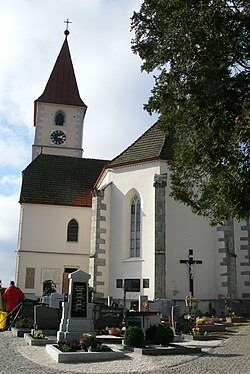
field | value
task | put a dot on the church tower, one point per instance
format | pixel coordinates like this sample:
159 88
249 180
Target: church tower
59 112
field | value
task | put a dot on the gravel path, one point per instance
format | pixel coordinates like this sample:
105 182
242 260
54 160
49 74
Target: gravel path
218 357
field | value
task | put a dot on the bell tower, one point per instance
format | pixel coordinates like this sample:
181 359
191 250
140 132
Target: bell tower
59 112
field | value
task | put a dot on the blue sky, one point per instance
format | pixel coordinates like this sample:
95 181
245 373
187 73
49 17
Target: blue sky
109 80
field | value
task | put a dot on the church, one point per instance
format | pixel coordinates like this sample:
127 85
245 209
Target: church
115 219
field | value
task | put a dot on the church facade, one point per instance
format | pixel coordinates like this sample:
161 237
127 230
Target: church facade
116 220
151 245
55 199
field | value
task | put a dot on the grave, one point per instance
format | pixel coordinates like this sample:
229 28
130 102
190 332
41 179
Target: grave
81 356
47 319
38 342
216 327
143 319
108 316
54 300
77 311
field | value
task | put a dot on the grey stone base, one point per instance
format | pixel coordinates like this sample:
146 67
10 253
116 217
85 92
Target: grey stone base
20 332
38 342
171 349
81 356
200 337
72 329
212 328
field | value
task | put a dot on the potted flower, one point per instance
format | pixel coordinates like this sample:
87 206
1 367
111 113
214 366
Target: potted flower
233 318
37 334
116 331
86 341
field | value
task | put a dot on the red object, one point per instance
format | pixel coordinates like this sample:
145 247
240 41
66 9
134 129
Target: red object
11 296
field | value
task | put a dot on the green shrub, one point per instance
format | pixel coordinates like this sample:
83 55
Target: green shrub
164 335
134 336
71 346
103 348
24 323
150 332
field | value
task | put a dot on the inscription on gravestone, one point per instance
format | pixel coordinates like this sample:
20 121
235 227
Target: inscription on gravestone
79 300
109 316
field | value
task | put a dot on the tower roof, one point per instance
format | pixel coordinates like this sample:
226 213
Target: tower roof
62 87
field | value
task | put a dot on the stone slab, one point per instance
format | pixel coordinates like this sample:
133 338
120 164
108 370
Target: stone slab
109 339
38 342
20 332
212 328
200 337
81 356
171 349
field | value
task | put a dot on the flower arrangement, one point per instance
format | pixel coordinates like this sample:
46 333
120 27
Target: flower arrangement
199 320
37 334
195 330
87 340
114 331
71 346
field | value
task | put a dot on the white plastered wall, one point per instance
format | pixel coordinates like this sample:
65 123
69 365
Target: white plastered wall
127 182
185 230
45 124
42 243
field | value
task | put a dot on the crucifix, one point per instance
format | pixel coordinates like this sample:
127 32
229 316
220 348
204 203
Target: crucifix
68 21
190 262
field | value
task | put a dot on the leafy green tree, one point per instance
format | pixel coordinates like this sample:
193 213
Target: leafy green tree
48 287
199 53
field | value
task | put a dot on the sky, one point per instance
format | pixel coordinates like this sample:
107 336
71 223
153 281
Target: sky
109 79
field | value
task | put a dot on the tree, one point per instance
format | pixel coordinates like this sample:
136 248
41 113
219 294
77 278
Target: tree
49 287
199 53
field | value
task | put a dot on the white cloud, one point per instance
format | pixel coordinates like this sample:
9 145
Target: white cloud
13 150
9 216
108 76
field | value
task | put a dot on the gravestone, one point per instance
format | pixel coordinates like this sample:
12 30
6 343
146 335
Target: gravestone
162 305
109 316
27 309
77 311
143 303
175 319
46 318
54 300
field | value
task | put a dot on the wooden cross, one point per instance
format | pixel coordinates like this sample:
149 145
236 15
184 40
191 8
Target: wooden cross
190 262
67 27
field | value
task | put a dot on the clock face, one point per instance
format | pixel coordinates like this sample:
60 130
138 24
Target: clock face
58 137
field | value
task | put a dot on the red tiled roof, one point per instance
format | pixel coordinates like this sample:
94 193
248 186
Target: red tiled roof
152 145
60 180
62 86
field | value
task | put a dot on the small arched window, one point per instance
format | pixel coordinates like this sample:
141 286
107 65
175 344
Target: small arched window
72 231
135 227
59 119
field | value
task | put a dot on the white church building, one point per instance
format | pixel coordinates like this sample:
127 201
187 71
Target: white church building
115 219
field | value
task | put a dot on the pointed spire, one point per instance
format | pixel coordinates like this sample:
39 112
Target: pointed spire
62 86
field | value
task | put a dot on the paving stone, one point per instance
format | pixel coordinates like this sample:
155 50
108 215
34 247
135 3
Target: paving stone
231 355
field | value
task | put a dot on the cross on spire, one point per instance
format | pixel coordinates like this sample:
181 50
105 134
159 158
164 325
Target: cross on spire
66 32
190 262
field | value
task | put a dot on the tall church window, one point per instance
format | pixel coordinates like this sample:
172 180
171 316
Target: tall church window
135 227
72 231
59 119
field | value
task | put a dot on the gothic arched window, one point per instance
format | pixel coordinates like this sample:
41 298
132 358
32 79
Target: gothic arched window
59 119
72 231
135 227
